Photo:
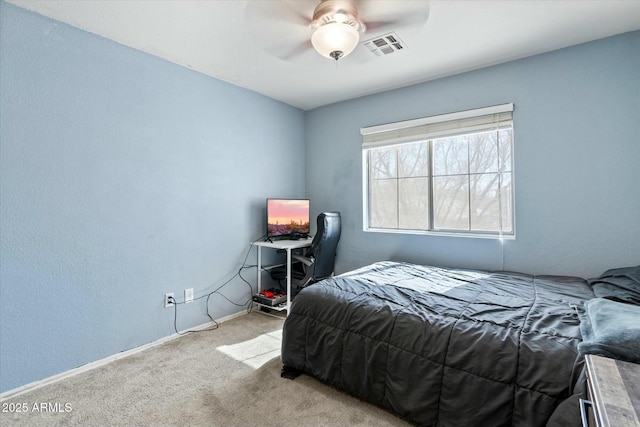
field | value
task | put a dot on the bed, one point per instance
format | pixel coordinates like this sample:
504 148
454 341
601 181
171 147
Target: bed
443 347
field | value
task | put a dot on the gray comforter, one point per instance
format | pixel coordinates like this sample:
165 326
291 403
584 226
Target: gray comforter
442 347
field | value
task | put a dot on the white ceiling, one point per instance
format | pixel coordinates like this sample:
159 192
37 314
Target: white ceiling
256 44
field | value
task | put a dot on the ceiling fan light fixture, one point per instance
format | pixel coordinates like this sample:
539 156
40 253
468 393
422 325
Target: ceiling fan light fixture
341 17
335 39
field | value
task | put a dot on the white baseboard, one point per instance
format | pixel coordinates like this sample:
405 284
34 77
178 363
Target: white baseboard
89 366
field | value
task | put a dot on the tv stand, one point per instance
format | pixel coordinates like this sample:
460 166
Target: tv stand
287 246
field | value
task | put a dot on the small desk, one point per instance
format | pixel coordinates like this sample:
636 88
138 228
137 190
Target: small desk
614 389
287 245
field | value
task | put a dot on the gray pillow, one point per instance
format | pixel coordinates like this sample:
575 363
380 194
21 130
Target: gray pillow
619 284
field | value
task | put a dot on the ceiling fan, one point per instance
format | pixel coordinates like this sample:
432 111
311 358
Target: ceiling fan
288 29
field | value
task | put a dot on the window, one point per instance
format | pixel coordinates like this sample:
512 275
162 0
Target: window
444 174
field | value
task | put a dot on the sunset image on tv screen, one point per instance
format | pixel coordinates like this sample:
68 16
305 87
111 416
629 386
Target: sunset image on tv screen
287 216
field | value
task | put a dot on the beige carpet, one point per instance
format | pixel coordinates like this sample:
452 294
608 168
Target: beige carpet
226 377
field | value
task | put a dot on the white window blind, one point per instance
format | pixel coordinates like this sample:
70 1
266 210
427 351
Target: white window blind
445 125
451 173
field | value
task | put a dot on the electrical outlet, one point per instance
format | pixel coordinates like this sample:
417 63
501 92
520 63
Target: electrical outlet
188 295
168 299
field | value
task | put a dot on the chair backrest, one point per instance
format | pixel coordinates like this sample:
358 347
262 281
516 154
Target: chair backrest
324 244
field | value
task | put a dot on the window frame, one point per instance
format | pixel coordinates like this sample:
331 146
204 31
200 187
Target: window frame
416 123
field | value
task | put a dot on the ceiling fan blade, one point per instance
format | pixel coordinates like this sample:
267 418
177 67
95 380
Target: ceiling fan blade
288 51
379 15
296 51
278 12
407 21
281 28
377 25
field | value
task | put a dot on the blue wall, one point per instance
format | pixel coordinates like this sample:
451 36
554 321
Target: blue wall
577 162
123 177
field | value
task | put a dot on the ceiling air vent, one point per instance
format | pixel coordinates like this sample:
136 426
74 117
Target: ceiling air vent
384 45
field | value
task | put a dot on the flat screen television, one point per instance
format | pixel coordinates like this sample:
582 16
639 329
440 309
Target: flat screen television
287 216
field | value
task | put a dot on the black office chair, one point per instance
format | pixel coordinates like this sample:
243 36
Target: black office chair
316 262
